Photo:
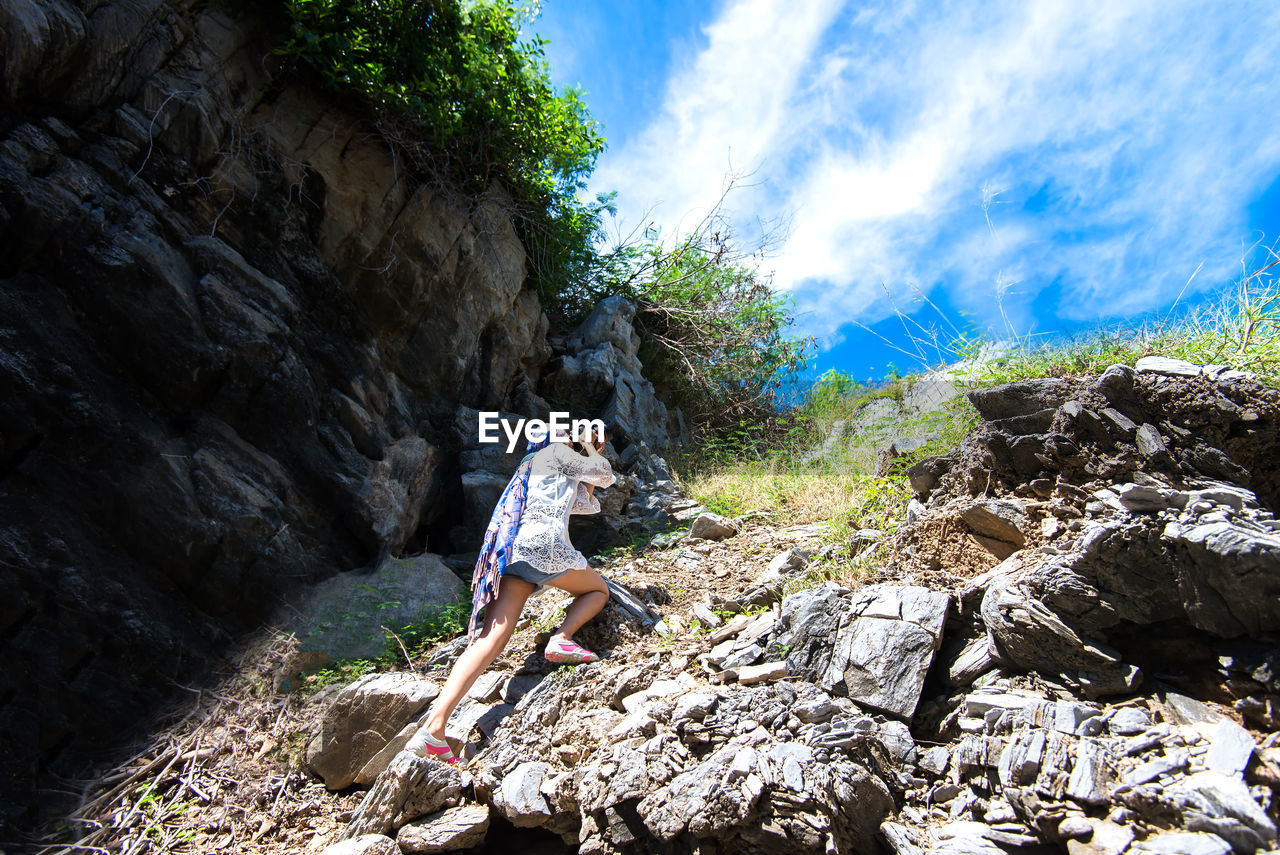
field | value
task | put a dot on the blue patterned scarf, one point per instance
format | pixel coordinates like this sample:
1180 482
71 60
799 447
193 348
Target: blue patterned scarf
498 537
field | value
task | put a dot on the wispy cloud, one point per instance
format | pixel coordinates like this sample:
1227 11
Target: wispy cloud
726 109
1125 139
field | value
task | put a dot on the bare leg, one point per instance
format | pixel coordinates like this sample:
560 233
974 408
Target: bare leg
590 596
499 623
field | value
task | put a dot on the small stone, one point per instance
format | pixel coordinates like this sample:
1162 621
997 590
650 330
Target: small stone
972 662
658 689
1108 838
1089 775
979 703
1180 709
1150 443
899 839
1075 828
935 760
744 763
1001 519
763 673
713 527
1119 422
634 724
915 511
694 706
1135 497
1153 769
814 709
944 793
488 687
703 613
1129 720
1116 383
1068 716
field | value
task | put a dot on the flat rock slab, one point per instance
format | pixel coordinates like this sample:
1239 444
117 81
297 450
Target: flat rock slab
1230 749
1185 843
361 720
447 831
1167 366
763 673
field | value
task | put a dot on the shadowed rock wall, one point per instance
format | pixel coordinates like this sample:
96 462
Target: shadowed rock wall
233 344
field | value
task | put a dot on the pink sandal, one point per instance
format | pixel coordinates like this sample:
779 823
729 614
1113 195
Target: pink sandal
425 745
568 653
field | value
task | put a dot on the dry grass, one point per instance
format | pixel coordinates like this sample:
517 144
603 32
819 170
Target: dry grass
224 775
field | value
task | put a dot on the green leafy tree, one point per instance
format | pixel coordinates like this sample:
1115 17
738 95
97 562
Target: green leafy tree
716 337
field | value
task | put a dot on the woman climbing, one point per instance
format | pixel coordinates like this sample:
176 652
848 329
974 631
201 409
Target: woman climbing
526 546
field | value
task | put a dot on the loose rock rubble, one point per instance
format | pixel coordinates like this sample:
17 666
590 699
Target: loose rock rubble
1098 675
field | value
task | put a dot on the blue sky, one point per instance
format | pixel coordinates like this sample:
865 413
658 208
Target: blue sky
1030 167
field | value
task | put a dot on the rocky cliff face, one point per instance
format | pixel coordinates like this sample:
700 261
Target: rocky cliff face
234 345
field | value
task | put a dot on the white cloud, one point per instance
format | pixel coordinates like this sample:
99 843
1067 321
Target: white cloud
1139 128
727 109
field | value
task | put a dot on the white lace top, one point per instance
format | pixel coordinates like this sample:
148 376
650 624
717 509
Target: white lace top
557 488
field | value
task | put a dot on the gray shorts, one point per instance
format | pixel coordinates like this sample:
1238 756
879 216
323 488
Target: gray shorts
525 570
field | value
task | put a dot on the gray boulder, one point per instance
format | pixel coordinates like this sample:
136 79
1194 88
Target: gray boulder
874 645
361 720
520 799
609 380
1231 577
409 788
1028 633
342 617
1055 609
707 799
